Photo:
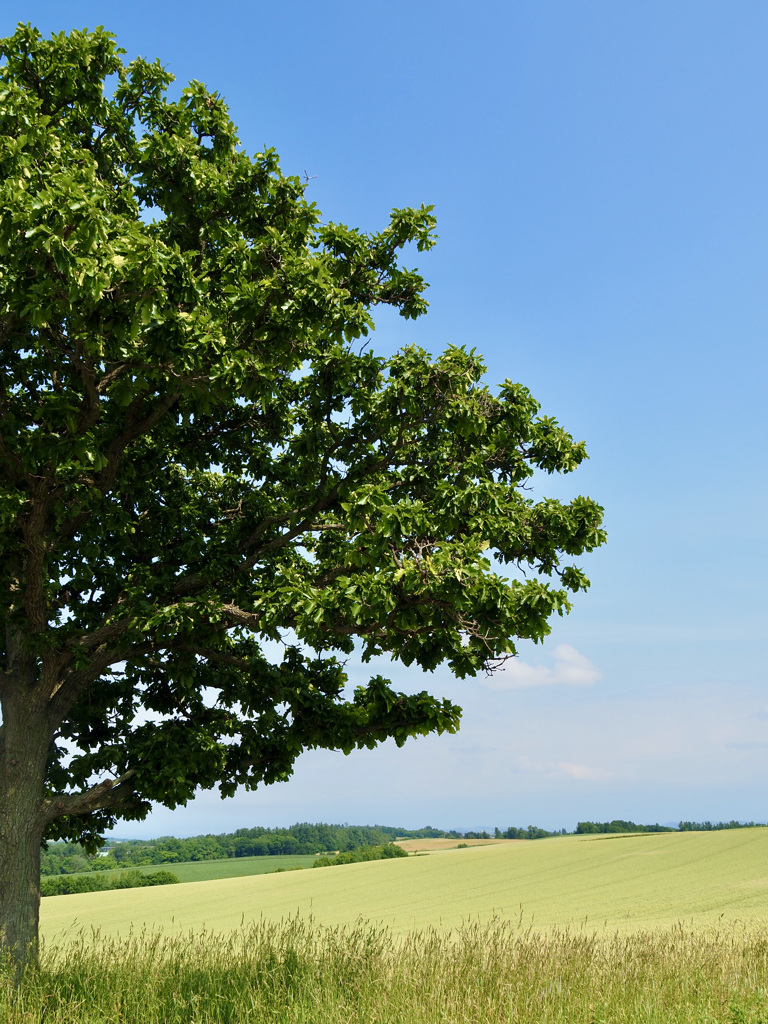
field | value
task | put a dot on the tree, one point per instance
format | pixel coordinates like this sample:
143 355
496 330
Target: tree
202 463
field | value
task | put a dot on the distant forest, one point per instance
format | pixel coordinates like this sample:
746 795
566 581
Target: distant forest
304 838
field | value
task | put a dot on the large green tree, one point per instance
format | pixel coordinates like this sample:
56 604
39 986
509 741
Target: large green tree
200 460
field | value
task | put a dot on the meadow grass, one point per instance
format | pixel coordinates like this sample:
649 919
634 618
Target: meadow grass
298 972
625 884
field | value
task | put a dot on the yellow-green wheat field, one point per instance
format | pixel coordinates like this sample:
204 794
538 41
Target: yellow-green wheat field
619 883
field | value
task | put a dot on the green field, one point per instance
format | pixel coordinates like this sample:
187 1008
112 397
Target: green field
614 883
207 870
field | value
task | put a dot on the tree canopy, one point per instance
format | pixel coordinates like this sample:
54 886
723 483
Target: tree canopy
202 462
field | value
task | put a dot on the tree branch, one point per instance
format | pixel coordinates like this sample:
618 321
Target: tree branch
109 794
105 478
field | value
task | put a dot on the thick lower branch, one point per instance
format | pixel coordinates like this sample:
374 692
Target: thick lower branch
107 795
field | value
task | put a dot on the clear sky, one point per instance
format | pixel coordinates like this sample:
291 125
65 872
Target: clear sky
598 173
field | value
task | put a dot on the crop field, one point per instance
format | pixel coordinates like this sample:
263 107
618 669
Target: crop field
433 845
207 870
609 883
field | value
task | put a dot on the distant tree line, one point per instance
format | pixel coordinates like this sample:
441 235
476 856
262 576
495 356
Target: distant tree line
532 832
707 826
586 827
618 825
303 838
66 885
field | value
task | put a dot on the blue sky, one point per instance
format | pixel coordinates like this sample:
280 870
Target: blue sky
598 172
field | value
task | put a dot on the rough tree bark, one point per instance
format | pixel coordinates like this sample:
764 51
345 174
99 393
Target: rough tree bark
24 743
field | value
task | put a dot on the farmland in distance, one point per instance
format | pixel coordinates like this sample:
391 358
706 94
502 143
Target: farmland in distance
620 883
207 870
433 845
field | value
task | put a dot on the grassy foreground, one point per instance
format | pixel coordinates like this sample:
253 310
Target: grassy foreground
298 972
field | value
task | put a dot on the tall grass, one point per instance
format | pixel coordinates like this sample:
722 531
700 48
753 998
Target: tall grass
299 973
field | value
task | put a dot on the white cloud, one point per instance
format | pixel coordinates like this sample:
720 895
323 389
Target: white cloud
560 769
569 669
581 771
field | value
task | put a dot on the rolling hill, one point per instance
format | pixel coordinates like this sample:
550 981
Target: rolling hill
617 882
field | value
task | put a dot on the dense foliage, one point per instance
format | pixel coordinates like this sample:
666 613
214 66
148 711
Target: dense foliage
532 832
212 491
362 853
64 885
707 826
617 825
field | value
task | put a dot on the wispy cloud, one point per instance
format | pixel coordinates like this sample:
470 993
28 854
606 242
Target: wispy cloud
569 668
580 771
561 769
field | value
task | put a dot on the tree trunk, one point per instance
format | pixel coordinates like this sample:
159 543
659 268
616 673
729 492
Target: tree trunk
23 755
